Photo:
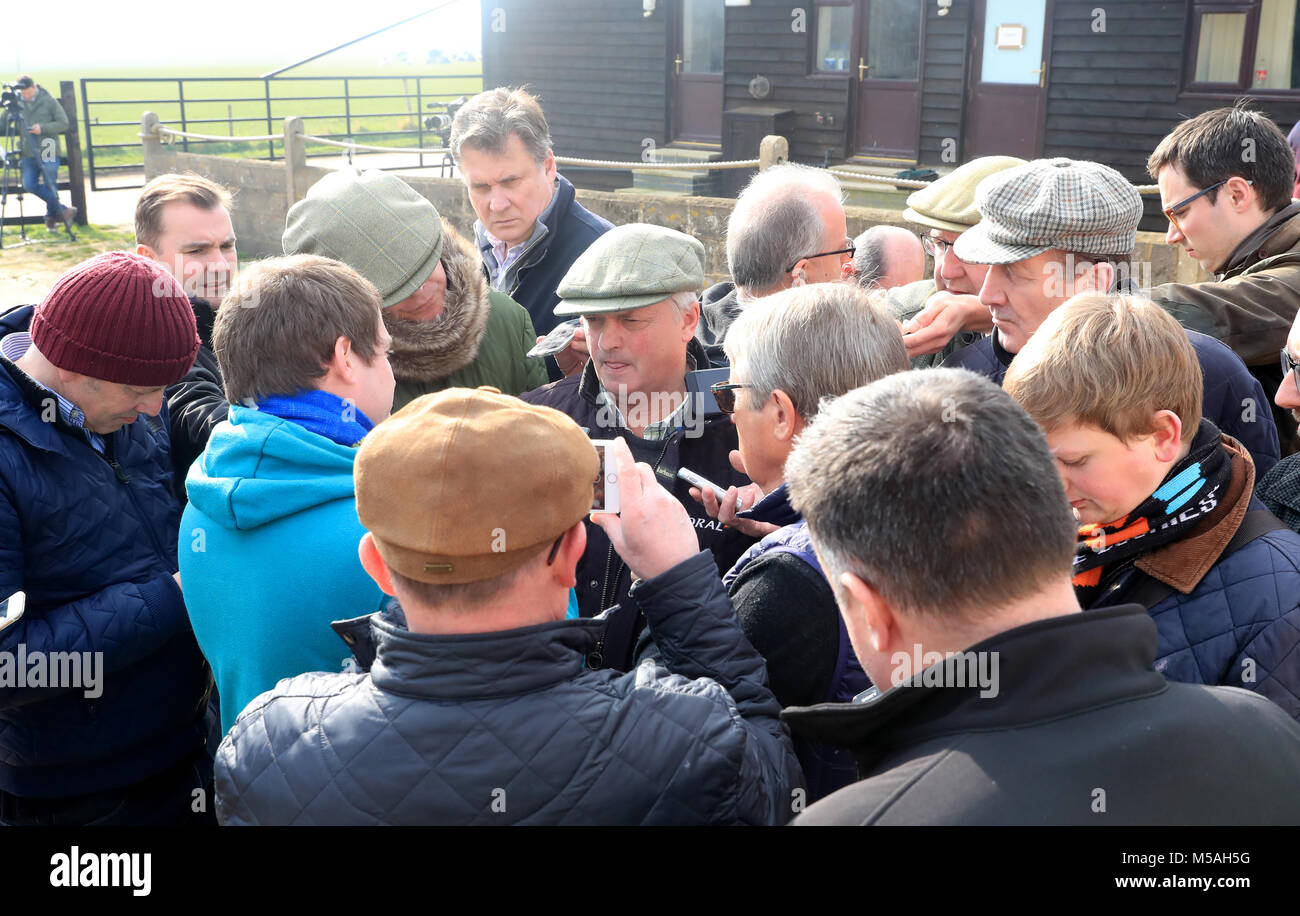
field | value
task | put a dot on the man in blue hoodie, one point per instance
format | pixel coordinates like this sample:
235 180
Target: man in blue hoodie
268 542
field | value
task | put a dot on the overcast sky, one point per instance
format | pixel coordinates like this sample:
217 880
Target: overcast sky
60 35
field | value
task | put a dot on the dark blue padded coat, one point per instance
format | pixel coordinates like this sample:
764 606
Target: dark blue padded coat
93 547
1240 626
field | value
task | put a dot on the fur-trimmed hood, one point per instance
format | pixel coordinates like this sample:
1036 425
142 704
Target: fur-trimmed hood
426 351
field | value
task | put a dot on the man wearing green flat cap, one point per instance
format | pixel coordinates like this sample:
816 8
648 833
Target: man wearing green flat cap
635 289
449 329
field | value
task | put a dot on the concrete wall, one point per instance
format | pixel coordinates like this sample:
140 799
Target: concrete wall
264 192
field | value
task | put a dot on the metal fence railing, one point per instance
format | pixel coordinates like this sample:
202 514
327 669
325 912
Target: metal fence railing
389 111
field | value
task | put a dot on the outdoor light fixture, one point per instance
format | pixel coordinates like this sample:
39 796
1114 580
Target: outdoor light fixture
944 6
647 8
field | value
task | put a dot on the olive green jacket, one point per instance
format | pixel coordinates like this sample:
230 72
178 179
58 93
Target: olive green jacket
46 111
480 338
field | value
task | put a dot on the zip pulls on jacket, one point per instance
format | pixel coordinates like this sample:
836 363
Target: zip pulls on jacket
125 479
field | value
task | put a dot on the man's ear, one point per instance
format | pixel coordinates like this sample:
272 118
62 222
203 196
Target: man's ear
570 552
1167 439
374 564
1098 278
799 273
343 361
146 252
690 321
548 165
788 423
1240 193
870 613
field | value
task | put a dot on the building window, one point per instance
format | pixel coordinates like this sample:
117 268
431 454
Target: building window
1219 47
702 27
834 46
1244 46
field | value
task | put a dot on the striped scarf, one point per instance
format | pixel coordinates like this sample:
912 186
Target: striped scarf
1192 488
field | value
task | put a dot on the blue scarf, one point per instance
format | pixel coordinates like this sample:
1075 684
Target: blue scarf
321 413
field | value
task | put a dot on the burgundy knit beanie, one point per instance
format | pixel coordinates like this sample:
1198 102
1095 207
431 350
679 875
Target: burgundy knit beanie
118 317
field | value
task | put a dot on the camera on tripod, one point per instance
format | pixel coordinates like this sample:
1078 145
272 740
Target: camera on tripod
442 122
10 101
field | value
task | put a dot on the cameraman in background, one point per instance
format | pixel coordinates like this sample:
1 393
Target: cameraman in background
43 119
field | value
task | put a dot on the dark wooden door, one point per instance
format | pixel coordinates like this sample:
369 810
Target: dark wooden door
889 78
1008 85
697 71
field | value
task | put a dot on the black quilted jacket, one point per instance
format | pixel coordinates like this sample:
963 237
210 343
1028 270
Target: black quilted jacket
512 728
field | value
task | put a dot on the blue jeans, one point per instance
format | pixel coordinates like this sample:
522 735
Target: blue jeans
34 170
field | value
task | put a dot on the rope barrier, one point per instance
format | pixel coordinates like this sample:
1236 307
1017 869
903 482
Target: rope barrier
165 132
190 135
656 166
379 149
570 160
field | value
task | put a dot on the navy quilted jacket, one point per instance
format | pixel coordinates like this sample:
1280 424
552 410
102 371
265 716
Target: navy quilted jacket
94 549
1240 626
512 728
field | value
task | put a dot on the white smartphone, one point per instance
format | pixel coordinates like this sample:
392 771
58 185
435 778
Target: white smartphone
12 608
703 483
604 497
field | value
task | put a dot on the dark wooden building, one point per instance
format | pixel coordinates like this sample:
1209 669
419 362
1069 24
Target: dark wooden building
890 82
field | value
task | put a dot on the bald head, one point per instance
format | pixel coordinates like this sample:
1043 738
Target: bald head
888 256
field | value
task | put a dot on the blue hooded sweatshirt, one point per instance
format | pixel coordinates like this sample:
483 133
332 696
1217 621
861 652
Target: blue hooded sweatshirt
268 554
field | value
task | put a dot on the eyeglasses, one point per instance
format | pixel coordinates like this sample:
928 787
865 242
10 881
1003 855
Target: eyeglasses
1288 365
725 394
825 254
935 247
1187 201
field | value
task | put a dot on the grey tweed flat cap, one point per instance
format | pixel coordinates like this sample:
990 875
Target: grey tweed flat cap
1073 205
630 267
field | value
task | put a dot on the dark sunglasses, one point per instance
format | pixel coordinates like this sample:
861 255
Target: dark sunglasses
725 394
825 254
1292 366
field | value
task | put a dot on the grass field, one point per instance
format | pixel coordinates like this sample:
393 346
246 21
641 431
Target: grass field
232 102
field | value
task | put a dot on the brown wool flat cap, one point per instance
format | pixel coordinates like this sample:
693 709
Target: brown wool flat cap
467 484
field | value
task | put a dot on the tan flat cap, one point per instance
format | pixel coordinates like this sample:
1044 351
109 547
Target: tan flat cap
467 484
949 203
630 267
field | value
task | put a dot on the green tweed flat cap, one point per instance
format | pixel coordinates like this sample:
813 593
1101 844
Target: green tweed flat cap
373 222
630 267
948 204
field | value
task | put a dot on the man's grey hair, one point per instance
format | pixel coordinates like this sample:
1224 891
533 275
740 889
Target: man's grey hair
873 251
487 121
936 488
775 223
813 342
682 301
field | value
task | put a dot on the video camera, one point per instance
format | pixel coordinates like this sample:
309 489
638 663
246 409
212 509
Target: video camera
442 122
9 98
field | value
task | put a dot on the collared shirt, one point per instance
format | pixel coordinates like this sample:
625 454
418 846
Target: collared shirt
660 429
504 255
12 347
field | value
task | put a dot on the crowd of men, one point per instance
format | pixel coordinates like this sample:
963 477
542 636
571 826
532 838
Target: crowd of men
313 541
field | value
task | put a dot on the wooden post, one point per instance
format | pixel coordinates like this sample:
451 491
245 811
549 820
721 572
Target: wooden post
151 143
772 151
72 138
295 160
